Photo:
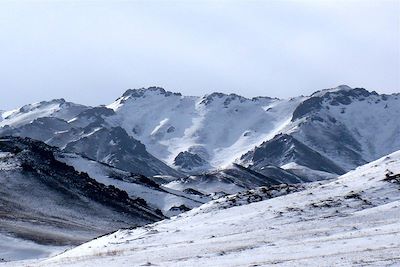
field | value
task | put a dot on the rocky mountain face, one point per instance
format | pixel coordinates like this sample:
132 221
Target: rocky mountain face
333 131
188 161
116 148
285 149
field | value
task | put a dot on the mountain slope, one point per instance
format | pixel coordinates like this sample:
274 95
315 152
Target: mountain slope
91 136
115 147
170 202
57 108
207 127
284 149
334 130
350 126
48 202
350 221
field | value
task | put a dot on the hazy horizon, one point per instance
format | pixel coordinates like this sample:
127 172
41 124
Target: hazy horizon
90 52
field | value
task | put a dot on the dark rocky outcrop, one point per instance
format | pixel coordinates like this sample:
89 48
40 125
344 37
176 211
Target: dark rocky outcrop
188 161
284 149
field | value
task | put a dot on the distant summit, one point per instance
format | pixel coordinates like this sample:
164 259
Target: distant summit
147 91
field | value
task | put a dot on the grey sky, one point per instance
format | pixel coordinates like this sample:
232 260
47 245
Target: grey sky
91 51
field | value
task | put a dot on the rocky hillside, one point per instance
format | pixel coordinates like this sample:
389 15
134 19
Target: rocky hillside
48 202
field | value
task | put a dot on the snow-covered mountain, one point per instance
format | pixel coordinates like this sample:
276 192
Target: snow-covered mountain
85 132
351 221
155 132
218 128
349 126
57 108
333 131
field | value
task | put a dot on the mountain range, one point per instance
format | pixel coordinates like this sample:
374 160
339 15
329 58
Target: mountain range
71 172
155 132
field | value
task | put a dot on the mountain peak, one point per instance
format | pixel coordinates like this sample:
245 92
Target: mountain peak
137 93
332 90
207 99
57 100
343 87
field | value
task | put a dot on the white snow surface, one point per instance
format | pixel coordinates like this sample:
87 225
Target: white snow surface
351 221
207 126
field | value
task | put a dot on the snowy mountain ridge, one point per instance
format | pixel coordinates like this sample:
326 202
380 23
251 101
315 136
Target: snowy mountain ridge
57 108
194 134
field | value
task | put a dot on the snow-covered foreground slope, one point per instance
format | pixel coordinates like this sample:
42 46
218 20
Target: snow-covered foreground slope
353 220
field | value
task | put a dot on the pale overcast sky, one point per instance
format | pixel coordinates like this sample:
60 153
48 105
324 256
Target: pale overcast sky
92 51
